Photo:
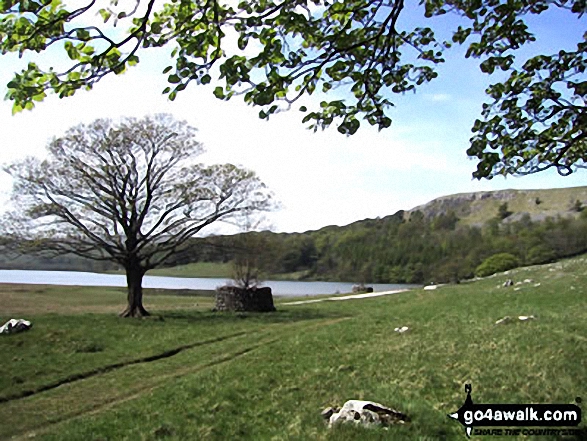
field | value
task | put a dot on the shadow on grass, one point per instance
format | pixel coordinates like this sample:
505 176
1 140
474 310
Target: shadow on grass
104 369
174 318
279 316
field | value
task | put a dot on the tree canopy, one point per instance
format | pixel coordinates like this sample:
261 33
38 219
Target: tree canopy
128 193
274 52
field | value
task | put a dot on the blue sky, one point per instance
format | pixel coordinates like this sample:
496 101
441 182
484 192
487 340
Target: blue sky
320 178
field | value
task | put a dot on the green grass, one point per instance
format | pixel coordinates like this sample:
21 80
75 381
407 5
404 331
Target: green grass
268 376
217 270
197 269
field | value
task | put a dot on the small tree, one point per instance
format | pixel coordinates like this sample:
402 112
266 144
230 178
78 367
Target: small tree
503 212
252 254
128 193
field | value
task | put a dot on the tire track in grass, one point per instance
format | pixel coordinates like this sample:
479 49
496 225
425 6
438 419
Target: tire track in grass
104 369
163 379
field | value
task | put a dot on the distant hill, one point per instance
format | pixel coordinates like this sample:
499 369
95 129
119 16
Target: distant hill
477 208
444 240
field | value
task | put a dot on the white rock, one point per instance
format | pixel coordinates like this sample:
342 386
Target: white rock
402 329
523 318
13 326
503 321
366 413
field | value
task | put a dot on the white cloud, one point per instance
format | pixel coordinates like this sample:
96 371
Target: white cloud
438 97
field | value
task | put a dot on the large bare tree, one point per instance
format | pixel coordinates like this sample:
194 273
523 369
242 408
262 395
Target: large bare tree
128 192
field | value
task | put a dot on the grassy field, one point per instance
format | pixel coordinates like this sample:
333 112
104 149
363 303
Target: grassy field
198 269
187 373
216 270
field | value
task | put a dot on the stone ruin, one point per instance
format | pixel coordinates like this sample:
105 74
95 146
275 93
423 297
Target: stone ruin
362 289
233 298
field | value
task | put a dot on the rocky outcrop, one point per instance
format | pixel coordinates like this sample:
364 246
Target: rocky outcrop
233 298
477 207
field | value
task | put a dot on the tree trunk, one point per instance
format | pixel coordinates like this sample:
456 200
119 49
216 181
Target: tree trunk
134 280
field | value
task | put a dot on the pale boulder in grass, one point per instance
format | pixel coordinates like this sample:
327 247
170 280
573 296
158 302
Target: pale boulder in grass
13 326
503 321
364 413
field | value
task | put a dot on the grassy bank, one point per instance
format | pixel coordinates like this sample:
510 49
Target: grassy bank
187 373
198 269
217 270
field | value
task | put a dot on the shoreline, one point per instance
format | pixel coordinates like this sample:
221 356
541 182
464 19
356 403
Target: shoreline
347 297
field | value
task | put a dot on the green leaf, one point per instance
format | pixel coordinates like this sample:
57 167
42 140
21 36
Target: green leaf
105 14
156 28
219 92
16 108
83 34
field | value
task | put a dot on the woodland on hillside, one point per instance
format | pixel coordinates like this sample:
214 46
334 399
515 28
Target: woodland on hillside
395 250
392 249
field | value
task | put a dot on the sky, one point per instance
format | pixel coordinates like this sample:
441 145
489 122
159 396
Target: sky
321 178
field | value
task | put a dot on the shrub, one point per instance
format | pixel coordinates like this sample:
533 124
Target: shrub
503 211
540 254
496 263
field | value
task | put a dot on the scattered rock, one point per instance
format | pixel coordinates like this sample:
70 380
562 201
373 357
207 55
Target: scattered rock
13 326
402 329
536 285
365 413
328 412
508 282
503 321
527 280
430 287
508 319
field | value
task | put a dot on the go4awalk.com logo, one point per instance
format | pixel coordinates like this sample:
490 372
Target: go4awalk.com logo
565 417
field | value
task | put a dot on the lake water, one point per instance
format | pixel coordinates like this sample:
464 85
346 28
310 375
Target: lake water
279 288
